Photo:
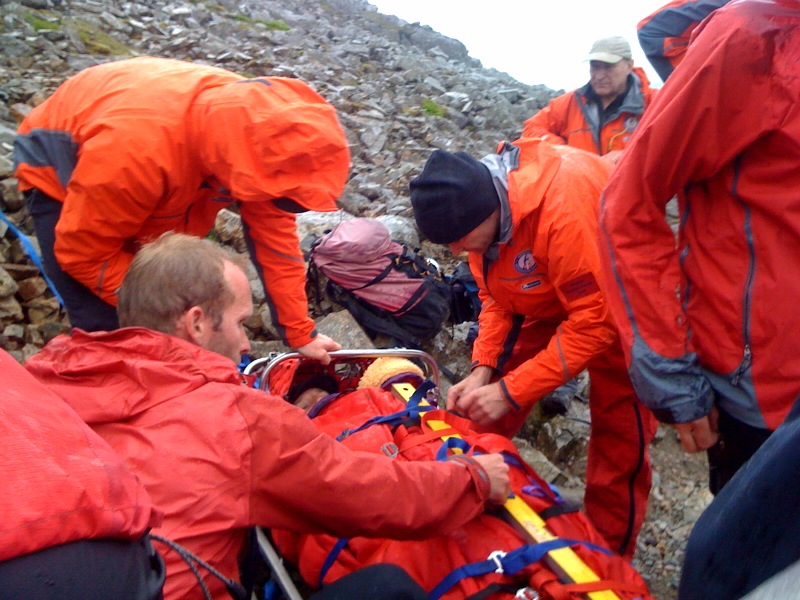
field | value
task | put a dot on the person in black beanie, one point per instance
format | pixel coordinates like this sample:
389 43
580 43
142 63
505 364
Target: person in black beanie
453 195
527 216
463 196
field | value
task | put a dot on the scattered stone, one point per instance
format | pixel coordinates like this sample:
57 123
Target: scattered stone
342 327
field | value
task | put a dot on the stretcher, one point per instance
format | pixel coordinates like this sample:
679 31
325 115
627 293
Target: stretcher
346 367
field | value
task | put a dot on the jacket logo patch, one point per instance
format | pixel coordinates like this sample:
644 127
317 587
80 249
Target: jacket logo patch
524 262
630 123
581 286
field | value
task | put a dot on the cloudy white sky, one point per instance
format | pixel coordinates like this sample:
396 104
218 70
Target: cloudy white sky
534 41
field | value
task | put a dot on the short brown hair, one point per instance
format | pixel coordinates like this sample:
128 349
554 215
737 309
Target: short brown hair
171 275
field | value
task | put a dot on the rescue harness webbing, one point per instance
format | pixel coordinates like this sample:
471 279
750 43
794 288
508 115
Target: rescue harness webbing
570 567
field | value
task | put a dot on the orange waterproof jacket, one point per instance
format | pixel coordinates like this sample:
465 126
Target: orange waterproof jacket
138 147
545 266
574 120
665 34
731 156
218 456
61 481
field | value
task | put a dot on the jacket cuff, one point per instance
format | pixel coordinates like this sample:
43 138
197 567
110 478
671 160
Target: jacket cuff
478 363
479 476
674 389
302 336
507 395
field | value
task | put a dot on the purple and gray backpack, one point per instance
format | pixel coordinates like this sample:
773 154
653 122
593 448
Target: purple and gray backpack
389 289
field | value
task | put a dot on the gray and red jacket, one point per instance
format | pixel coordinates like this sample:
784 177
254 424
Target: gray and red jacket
724 135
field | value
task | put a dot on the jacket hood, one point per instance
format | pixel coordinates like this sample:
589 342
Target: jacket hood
270 138
112 376
538 162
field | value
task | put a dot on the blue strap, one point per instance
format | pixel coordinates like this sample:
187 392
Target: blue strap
449 444
507 563
534 488
30 250
331 558
419 394
413 409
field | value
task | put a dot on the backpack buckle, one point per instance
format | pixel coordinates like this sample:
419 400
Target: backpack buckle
527 593
496 557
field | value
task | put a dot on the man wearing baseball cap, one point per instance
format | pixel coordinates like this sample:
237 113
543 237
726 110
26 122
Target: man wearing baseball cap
527 217
599 117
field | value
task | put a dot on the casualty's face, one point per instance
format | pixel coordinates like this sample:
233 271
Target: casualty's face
230 338
609 81
479 239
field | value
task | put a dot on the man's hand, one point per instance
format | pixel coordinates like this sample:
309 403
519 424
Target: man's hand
479 377
485 405
699 435
497 471
319 347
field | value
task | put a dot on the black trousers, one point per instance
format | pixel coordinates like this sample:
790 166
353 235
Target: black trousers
376 582
737 443
86 569
85 309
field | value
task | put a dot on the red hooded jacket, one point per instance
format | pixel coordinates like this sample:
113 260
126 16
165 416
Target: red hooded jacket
218 457
724 135
665 34
546 268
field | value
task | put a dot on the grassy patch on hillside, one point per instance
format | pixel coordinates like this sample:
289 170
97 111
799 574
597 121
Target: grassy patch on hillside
271 25
42 21
96 40
432 108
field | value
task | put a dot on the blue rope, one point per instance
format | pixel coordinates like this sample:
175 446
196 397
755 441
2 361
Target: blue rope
30 250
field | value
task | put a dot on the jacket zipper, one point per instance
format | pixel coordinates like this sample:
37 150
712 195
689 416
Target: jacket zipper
748 289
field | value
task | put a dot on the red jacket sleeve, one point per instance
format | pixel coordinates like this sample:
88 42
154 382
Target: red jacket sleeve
272 238
305 481
586 333
665 34
495 324
550 122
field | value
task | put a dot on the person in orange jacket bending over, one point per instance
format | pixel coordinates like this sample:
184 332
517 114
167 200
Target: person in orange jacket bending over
218 456
599 117
527 217
125 151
